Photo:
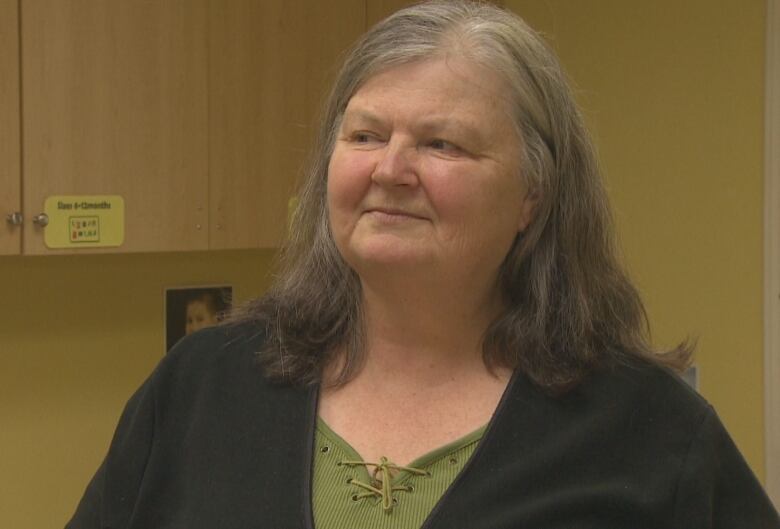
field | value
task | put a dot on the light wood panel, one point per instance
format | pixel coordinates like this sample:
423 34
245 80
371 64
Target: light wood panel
772 255
269 62
115 102
10 156
376 10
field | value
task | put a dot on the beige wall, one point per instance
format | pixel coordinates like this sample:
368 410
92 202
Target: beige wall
673 92
77 335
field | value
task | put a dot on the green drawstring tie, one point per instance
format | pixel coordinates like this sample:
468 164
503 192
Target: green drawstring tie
384 467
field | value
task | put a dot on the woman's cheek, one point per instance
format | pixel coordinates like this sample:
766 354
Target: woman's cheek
344 198
450 197
349 178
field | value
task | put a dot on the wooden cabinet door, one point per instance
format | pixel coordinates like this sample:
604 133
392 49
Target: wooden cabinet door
376 10
115 102
10 154
270 63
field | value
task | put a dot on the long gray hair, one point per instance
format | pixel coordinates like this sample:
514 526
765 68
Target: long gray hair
568 305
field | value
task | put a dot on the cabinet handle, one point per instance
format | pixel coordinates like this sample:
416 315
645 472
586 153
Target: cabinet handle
15 218
41 219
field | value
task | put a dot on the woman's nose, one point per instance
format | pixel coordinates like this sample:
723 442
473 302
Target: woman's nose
396 165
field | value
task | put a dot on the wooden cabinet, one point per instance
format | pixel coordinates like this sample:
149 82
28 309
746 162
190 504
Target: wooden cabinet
376 10
269 66
10 176
115 101
199 113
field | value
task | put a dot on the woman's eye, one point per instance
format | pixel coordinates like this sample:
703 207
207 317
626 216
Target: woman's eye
442 145
363 137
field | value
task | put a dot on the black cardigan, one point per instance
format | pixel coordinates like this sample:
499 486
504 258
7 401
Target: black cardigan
207 442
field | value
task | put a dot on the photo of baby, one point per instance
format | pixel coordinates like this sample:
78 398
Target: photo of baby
191 309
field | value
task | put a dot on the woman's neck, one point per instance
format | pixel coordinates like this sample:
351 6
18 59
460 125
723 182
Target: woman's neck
429 333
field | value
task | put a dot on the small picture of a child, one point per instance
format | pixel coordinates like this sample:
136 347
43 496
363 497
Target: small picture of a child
188 310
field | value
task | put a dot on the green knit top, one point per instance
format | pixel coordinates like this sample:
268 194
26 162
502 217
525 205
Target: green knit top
349 493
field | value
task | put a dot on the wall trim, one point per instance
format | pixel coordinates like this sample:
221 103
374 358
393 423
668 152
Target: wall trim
772 254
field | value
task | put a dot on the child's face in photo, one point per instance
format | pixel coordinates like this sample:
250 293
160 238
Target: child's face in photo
199 316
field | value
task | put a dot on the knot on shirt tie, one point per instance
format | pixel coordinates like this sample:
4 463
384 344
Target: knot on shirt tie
381 484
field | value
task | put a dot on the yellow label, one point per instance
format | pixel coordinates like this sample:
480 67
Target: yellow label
89 221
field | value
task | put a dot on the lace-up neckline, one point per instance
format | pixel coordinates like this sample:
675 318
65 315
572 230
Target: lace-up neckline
351 492
382 480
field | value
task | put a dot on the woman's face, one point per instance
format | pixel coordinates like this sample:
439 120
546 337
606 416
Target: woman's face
426 171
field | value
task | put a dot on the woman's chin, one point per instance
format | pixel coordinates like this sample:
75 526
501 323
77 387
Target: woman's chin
372 257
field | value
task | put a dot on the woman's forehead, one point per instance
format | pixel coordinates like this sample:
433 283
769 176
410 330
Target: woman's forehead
435 95
446 84
467 73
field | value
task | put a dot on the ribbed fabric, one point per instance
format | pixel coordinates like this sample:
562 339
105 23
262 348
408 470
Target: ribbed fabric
334 503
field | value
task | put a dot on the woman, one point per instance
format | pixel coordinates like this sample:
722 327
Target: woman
451 342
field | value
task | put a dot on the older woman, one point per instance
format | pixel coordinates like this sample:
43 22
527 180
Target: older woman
451 342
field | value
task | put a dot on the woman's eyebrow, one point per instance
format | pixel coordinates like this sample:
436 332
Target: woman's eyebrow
435 124
361 115
426 124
